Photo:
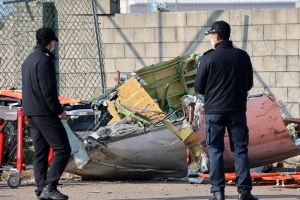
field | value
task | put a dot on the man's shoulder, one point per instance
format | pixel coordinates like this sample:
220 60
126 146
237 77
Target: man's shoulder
241 50
42 56
38 54
206 52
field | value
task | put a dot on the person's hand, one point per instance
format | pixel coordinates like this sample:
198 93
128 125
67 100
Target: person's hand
63 115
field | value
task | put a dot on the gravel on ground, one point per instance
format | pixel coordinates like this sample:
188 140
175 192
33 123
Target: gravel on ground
134 190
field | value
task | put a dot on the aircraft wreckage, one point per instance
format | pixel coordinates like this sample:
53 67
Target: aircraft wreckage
148 122
152 126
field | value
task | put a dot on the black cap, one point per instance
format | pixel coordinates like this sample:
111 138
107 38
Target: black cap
45 35
220 27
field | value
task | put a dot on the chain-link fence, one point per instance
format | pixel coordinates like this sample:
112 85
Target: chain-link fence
79 58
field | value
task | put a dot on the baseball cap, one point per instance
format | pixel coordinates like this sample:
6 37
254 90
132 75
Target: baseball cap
220 27
45 35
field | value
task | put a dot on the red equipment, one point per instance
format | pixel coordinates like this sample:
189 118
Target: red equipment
11 110
285 177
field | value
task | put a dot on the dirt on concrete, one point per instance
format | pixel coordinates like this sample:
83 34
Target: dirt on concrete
151 190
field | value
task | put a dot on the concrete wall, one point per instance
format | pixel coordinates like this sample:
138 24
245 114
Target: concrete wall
271 38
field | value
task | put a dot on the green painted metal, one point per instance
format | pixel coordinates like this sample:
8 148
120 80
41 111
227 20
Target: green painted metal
137 116
170 80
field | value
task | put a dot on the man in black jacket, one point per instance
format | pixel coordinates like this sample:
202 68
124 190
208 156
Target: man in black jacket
224 76
44 113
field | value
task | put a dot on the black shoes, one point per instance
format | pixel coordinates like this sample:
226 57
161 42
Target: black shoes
246 195
51 192
38 196
218 196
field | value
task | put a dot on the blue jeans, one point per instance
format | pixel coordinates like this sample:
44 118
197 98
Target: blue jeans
236 124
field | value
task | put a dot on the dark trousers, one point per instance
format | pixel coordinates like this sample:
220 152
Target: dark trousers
48 132
236 125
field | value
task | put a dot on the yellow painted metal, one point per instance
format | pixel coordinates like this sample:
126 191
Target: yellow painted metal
133 115
134 97
112 111
188 138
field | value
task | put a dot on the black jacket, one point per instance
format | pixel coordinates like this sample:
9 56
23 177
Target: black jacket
224 76
39 91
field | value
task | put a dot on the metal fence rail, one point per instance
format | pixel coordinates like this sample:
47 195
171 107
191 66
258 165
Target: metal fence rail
79 57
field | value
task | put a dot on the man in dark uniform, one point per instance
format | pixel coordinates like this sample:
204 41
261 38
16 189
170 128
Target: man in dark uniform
224 76
40 103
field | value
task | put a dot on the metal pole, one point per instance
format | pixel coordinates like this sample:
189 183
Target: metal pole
98 45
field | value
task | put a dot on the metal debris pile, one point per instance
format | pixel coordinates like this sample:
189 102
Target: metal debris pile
143 100
157 96
154 116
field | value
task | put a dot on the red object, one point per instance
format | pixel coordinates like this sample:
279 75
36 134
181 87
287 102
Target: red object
65 100
50 157
188 156
18 95
11 93
2 122
190 118
21 122
118 78
289 177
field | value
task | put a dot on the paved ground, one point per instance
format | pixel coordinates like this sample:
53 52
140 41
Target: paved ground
155 190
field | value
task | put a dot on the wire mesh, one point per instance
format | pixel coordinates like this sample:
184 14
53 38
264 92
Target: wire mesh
80 69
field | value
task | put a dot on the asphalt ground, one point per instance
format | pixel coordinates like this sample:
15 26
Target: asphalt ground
151 190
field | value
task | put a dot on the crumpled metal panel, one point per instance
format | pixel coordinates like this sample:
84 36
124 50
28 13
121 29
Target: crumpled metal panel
154 154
